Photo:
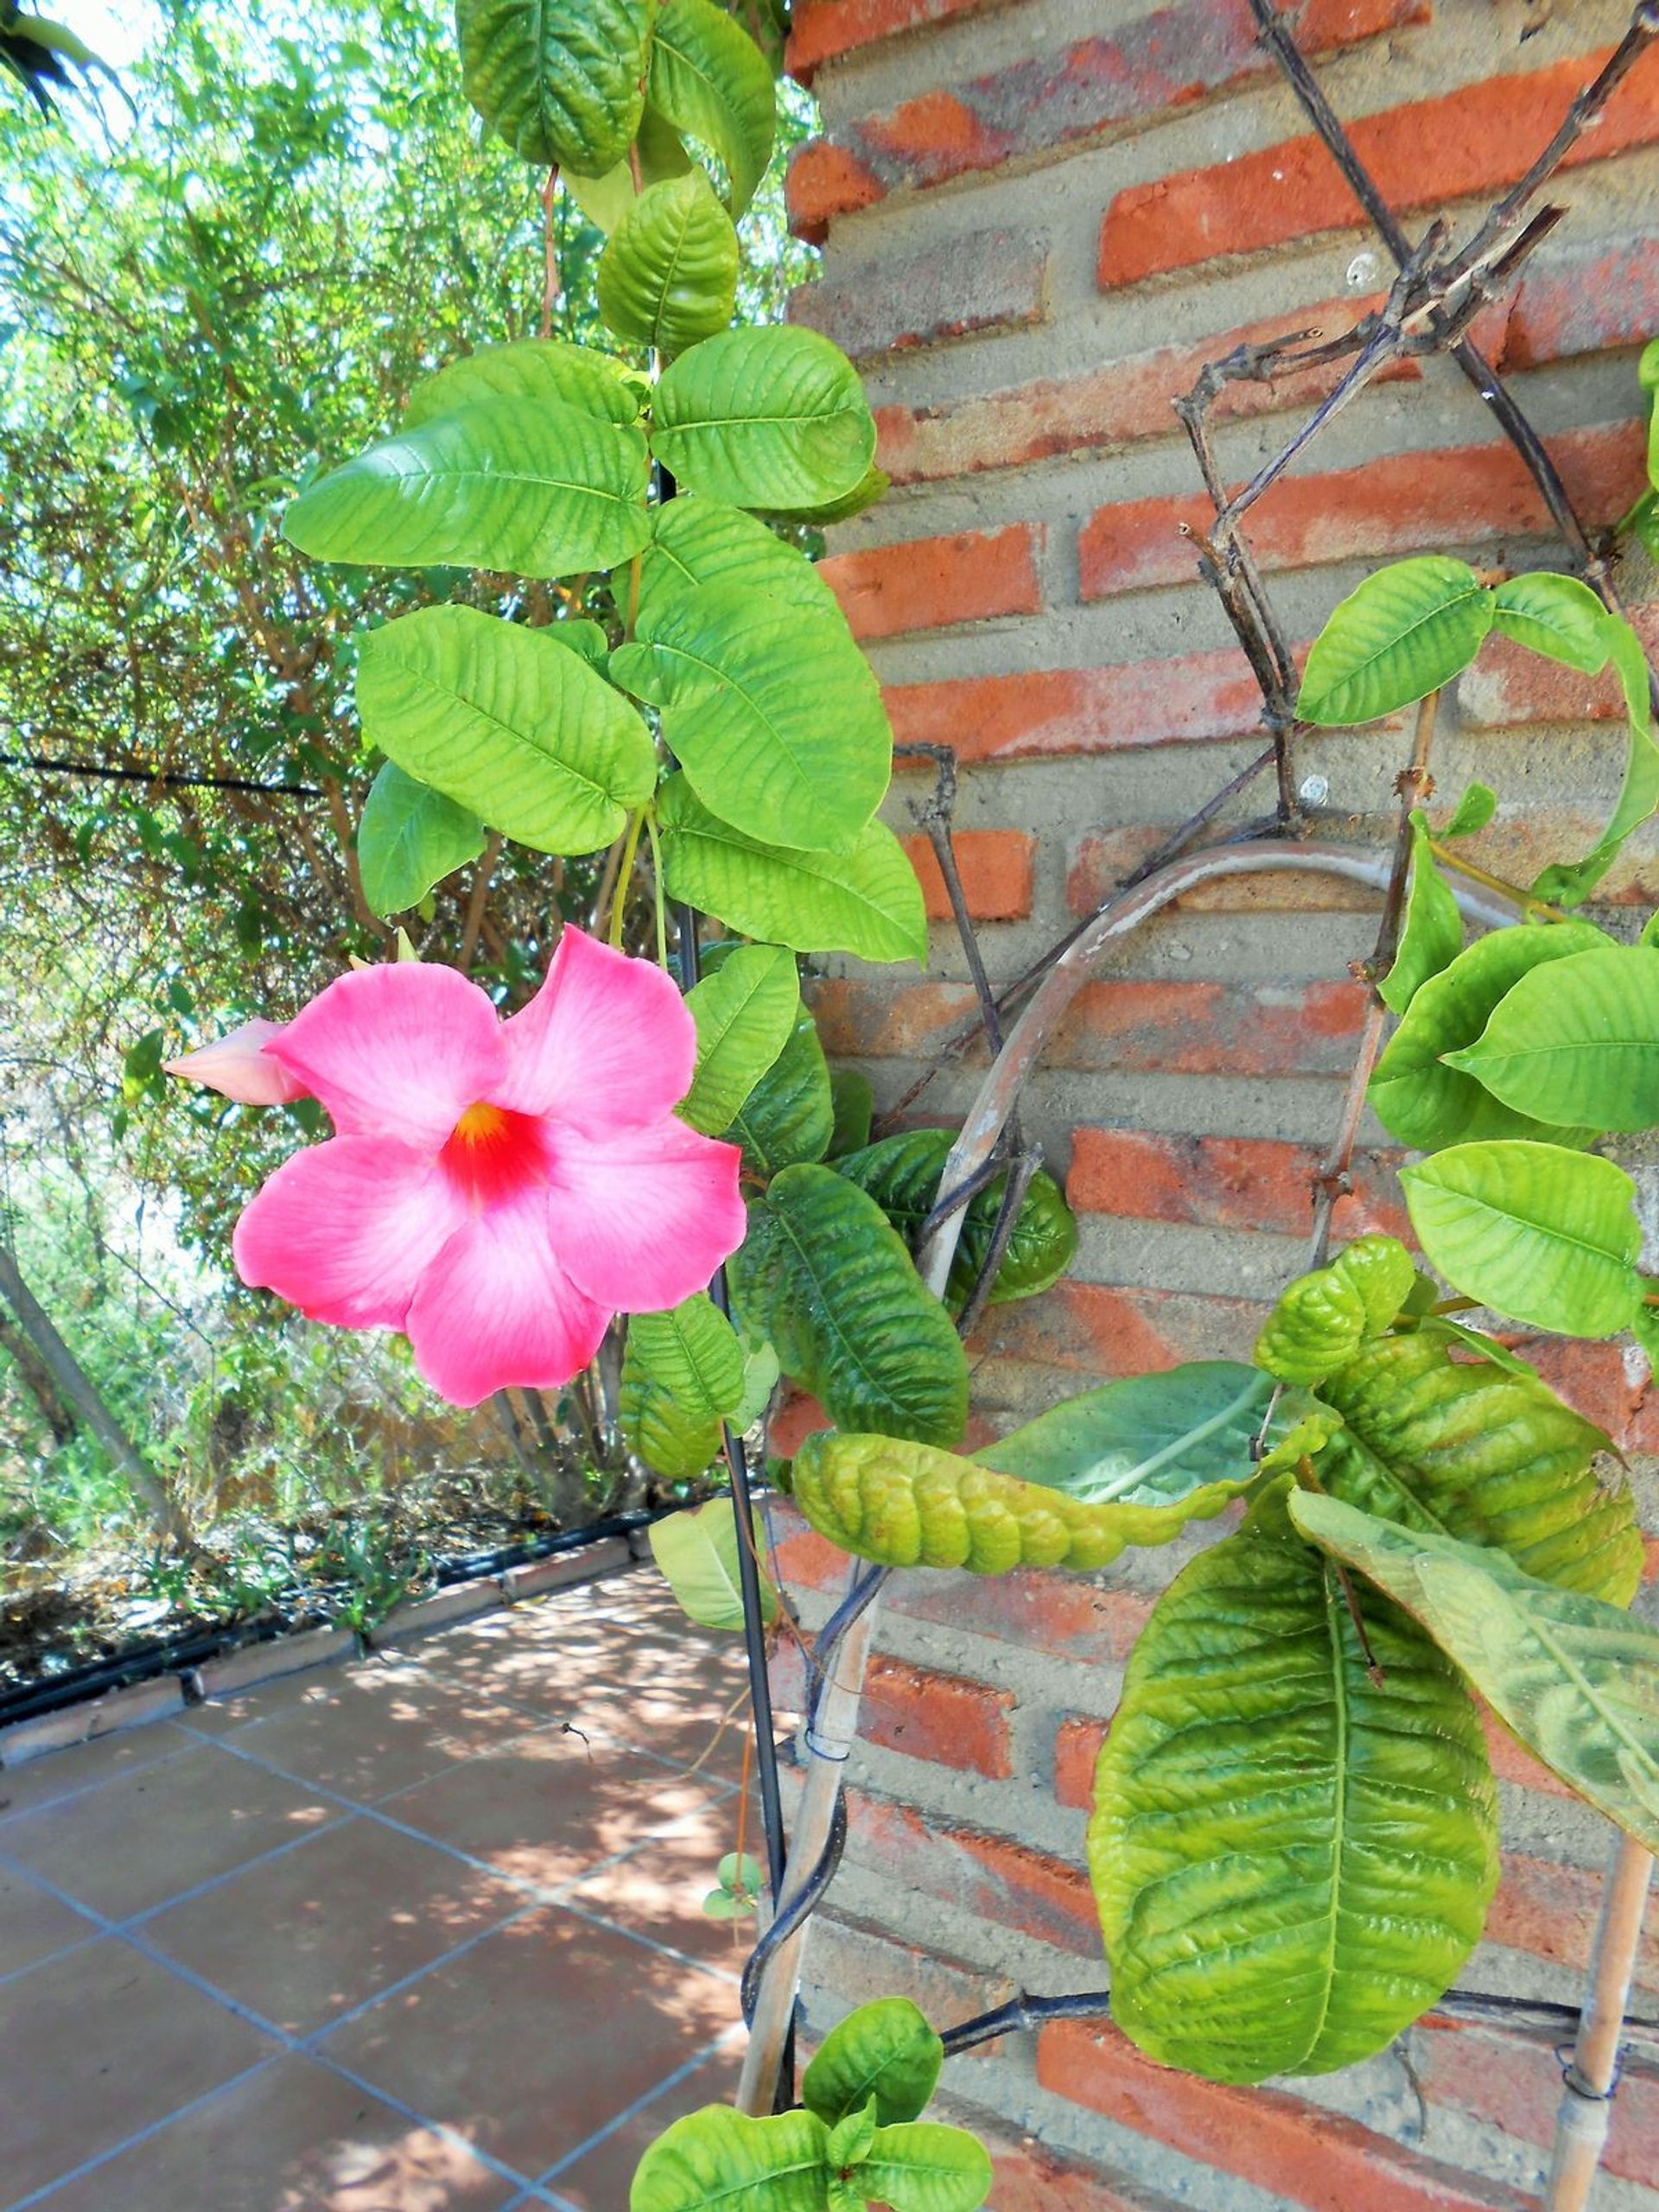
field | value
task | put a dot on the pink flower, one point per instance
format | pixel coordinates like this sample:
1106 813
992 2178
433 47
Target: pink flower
241 1065
497 1189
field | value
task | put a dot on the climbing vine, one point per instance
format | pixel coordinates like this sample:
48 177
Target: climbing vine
1294 1843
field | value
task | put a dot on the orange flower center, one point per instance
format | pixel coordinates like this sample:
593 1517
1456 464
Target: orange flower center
492 1151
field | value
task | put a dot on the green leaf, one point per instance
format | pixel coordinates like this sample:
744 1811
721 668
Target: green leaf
775 715
561 80
745 1016
1291 1860
510 722
1568 884
737 1871
902 1173
768 417
1408 629
1483 1451
669 275
1322 1318
760 1373
718 2160
1418 1093
1545 1236
536 488
850 2139
727 1905
711 81
823 1275
692 1351
855 1105
921 2166
788 1115
697 1554
1174 1447
1132 1463
705 541
1432 937
1474 810
1576 1681
1557 616
410 838
885 2050
671 1439
872 487
1580 1036
866 900
530 368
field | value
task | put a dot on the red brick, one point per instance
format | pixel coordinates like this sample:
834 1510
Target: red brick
1002 1883
931 583
1199 699
1259 1182
1120 403
1319 2159
803 1558
1550 1910
944 1718
1408 503
1511 687
1077 1754
1474 141
1588 302
860 1963
1165 1027
1105 1331
1062 1618
1169 59
1509 2083
821 29
1105 857
986 280
1029 2177
997 868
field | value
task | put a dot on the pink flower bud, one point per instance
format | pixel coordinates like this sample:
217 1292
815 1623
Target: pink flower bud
239 1065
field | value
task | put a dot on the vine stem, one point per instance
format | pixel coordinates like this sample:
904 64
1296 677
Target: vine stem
1589 2080
829 1741
1331 1180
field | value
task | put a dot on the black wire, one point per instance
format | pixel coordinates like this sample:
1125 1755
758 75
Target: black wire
802 1904
163 777
825 1643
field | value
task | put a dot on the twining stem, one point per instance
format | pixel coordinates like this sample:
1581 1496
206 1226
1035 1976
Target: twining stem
658 892
624 880
550 253
1534 909
1332 1179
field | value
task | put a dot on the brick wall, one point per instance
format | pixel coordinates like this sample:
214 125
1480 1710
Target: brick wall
1039 218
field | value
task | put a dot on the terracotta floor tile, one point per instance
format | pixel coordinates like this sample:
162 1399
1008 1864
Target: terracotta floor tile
528 2043
83 1766
658 1891
97 2045
34 1923
305 1937
506 1656
152 1834
550 1807
599 2180
366 1731
294 2137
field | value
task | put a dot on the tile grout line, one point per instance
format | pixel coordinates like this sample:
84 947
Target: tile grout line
640 2104
537 1893
141 2135
292 2046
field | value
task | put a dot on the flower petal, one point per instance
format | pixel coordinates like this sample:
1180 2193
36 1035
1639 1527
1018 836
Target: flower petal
498 1309
643 1217
345 1230
400 1049
606 1043
238 1066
